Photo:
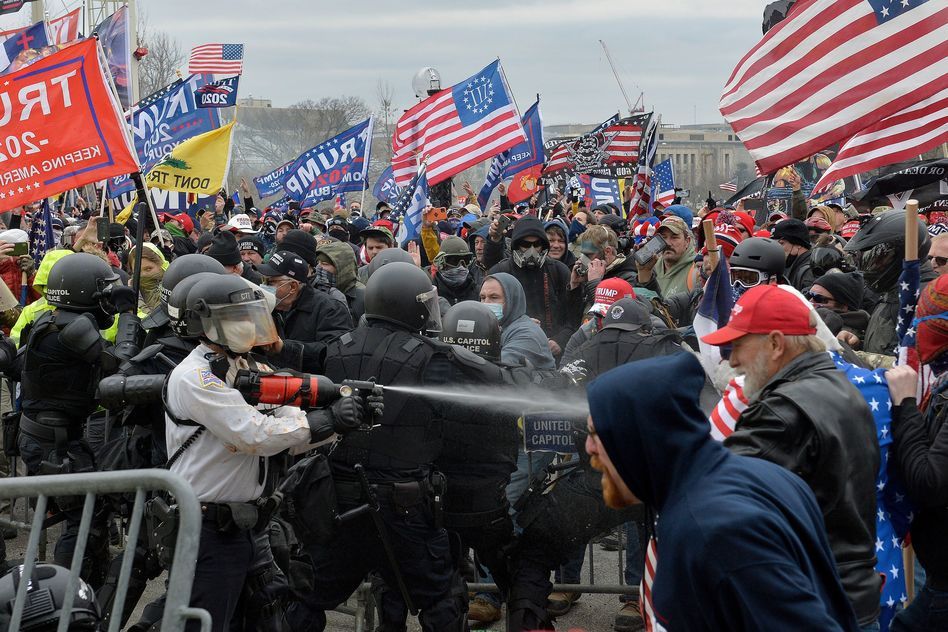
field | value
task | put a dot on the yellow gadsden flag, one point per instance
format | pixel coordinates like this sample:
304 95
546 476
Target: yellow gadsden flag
197 165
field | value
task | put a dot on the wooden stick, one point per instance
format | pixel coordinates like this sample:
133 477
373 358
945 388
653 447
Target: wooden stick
711 242
911 230
908 562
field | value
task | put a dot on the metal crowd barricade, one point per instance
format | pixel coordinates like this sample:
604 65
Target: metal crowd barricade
181 574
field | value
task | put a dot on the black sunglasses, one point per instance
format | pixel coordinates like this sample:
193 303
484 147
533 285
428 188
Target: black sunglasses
938 261
819 299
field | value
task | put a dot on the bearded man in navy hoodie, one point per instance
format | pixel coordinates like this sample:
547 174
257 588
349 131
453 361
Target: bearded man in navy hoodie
741 542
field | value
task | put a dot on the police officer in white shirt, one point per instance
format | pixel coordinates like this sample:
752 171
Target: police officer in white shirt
219 443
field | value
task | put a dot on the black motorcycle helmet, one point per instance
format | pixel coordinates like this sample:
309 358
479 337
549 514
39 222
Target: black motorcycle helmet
824 259
472 325
182 325
402 293
232 313
45 597
879 247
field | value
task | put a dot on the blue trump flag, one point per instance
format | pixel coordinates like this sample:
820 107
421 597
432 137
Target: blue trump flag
338 165
519 157
271 183
30 38
219 94
410 207
386 190
160 122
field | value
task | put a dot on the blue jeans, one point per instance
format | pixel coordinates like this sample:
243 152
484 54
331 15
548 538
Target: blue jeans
929 611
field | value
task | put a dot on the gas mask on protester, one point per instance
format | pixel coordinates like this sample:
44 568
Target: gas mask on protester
531 257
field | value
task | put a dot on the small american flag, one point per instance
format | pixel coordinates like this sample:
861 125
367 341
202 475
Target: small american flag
41 234
218 59
663 183
730 185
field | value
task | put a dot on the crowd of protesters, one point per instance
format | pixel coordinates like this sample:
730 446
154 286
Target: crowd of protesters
788 544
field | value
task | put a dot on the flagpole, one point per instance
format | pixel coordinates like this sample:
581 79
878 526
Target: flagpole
105 188
503 77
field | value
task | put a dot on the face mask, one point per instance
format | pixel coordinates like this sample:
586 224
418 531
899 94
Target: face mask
269 289
497 308
238 336
531 258
454 276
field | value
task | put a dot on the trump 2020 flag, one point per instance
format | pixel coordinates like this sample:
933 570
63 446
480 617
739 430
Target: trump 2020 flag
457 128
410 207
335 166
518 158
386 190
218 94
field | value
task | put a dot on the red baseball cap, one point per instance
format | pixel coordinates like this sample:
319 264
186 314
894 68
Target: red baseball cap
185 220
761 310
608 292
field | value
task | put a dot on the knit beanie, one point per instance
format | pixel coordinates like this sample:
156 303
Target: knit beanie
847 288
932 317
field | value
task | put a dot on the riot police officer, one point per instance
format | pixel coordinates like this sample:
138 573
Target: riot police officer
65 349
221 444
391 467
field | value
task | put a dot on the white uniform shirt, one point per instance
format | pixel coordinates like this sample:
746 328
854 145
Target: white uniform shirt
223 464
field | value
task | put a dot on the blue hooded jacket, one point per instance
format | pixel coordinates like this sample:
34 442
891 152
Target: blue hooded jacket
741 541
520 337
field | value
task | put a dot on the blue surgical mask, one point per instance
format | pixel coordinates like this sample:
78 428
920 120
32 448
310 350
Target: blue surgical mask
498 310
269 288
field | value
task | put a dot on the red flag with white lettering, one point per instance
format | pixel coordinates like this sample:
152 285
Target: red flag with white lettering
60 127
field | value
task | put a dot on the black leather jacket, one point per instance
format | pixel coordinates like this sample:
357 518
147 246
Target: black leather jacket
812 421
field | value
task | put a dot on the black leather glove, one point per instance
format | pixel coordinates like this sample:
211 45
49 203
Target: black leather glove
119 298
376 406
348 413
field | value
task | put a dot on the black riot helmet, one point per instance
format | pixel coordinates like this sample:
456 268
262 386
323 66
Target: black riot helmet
470 324
177 307
387 256
232 313
755 261
402 293
880 249
185 266
181 268
85 283
45 597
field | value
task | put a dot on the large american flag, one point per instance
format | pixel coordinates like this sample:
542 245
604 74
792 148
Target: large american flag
832 69
457 128
663 183
902 136
218 59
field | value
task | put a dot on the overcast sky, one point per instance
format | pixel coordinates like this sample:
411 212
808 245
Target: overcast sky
679 52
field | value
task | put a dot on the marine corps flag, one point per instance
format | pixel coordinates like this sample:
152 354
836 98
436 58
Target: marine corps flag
197 165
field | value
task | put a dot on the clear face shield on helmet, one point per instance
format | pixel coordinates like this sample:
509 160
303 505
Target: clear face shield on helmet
240 327
430 300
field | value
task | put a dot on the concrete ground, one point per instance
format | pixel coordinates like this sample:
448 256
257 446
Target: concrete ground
593 612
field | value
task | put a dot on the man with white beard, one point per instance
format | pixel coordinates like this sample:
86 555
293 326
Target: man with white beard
806 416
